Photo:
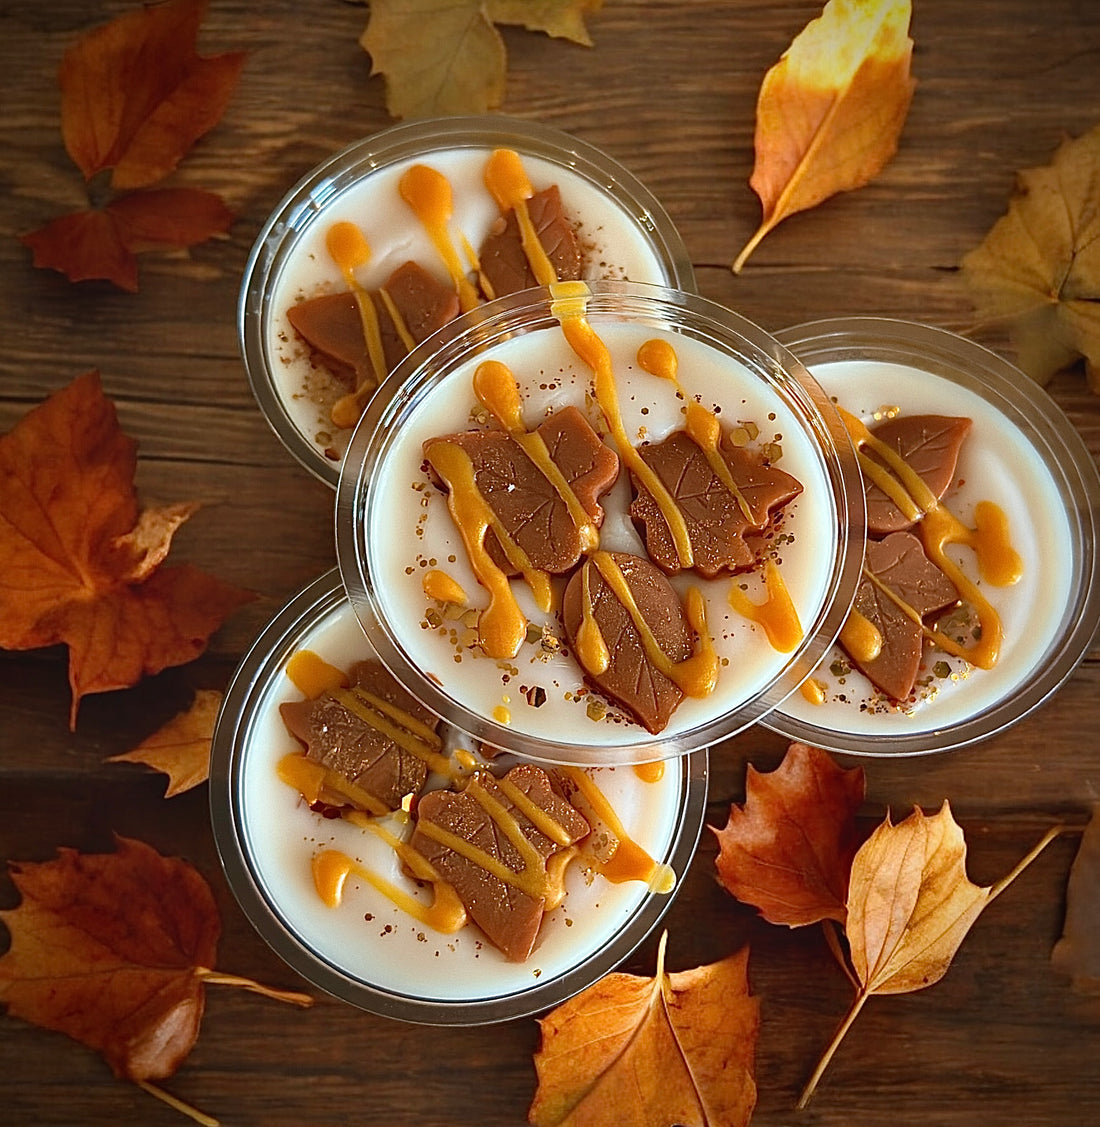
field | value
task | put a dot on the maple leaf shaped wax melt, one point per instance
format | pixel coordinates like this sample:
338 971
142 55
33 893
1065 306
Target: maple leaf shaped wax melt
494 842
629 674
370 744
930 445
533 512
717 519
901 586
505 264
332 324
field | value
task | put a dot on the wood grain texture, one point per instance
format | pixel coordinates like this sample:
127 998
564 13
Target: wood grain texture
669 90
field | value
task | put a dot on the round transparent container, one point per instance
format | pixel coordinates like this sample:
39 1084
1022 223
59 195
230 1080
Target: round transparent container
1023 454
392 523
367 951
623 227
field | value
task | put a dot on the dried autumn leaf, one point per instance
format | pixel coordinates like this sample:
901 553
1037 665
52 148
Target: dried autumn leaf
181 748
789 848
910 905
135 95
80 564
1039 266
1077 953
830 112
447 57
675 1048
102 244
114 950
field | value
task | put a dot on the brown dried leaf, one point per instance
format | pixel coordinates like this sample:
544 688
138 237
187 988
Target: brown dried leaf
135 95
676 1048
789 849
1077 953
1038 269
830 112
181 748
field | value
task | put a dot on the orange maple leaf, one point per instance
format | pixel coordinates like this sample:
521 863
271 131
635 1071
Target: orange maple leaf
788 851
181 748
79 563
675 1048
115 950
830 112
135 96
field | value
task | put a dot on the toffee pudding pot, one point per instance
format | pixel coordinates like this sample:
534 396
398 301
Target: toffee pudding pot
367 951
393 524
624 232
1021 456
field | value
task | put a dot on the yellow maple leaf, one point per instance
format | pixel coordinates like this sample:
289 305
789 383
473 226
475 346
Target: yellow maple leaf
675 1048
181 748
1038 269
910 905
447 57
830 112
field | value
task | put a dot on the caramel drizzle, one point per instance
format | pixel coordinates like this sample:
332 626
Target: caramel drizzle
508 183
860 636
502 625
776 613
694 676
628 861
309 778
428 193
312 676
348 248
391 720
658 357
568 305
537 877
497 389
998 562
446 912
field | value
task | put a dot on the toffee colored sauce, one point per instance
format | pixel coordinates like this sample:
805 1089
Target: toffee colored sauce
998 562
776 613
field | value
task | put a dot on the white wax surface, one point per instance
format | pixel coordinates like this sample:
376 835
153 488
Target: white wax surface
370 939
616 247
997 463
409 530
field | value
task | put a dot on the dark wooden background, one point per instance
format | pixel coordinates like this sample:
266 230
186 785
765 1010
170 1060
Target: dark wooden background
669 90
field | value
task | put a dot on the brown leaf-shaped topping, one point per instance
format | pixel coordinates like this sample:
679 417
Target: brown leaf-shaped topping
532 511
503 261
789 848
716 522
373 755
930 445
899 564
631 678
333 328
483 816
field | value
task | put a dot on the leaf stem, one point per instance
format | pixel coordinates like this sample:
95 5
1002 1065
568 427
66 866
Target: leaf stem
178 1104
834 1044
996 889
216 978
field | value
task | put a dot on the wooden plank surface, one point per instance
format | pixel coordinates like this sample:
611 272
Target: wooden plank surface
669 90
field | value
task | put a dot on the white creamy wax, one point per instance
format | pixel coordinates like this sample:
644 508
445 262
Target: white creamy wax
408 530
367 937
614 242
996 463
